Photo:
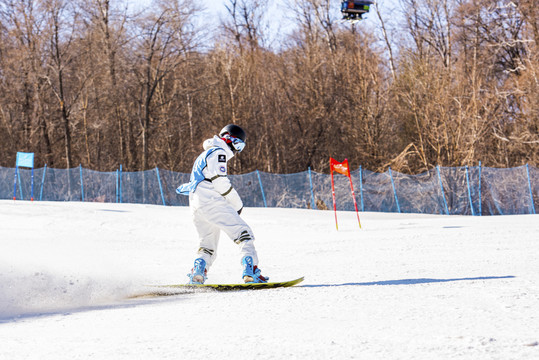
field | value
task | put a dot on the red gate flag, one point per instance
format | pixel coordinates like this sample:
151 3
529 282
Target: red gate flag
341 168
344 169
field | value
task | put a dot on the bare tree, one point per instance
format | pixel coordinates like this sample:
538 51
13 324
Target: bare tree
106 32
63 52
23 24
163 40
246 22
387 41
96 83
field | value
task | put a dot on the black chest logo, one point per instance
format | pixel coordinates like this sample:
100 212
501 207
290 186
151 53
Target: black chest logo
222 158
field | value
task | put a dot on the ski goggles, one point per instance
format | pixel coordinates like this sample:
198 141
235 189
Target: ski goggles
237 143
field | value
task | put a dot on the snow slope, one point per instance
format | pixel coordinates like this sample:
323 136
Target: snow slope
406 286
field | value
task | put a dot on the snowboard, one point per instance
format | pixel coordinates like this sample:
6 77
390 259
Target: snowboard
176 289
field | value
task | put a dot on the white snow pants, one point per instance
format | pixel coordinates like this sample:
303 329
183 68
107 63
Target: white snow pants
210 217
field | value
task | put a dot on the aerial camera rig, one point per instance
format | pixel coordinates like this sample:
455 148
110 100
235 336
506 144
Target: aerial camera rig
353 10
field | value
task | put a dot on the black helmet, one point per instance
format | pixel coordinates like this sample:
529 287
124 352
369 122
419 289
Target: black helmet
233 130
234 136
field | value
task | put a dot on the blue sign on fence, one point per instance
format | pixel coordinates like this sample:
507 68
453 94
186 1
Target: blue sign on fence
25 160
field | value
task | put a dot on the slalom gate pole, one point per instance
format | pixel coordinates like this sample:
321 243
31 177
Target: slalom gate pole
334 204
355 203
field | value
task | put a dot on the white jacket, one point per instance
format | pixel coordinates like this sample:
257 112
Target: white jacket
216 182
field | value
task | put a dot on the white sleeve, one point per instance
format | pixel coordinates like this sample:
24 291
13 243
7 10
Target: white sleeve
230 194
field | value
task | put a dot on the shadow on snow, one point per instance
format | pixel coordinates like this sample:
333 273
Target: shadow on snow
413 281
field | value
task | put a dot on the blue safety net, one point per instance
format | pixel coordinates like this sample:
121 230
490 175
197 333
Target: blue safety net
443 190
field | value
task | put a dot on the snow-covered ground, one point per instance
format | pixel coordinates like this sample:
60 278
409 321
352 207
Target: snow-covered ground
406 286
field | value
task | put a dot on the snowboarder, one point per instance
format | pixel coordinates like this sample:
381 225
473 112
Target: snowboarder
215 205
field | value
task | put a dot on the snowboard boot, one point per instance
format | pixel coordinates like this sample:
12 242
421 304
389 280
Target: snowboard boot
251 273
198 273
